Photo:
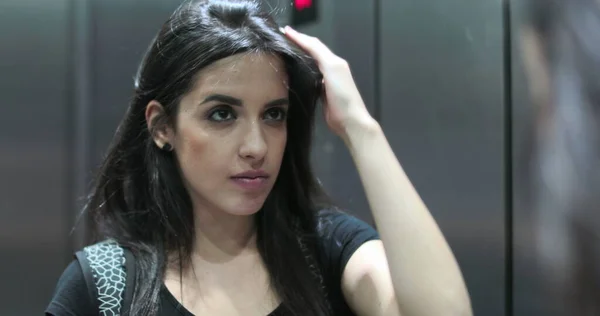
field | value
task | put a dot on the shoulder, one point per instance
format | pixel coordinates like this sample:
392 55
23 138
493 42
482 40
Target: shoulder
343 228
339 236
78 287
358 264
71 295
335 221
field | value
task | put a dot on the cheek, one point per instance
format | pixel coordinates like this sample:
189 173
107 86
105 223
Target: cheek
199 151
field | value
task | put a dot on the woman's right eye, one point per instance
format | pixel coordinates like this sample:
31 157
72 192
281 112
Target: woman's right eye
221 115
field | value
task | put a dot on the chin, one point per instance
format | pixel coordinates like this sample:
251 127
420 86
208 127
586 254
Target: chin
246 207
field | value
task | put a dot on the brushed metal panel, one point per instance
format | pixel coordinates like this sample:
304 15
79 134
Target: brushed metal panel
122 31
529 297
442 110
34 214
355 30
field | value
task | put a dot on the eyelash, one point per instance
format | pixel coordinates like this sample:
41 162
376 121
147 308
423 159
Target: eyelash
229 114
222 110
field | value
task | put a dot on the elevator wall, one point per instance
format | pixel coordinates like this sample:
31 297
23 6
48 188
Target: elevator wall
442 103
34 175
432 72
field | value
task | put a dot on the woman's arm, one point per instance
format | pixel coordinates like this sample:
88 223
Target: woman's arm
424 273
423 278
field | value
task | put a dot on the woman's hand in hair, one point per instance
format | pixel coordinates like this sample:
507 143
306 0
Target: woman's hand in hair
344 108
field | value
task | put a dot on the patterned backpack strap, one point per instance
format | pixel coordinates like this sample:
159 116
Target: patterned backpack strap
104 268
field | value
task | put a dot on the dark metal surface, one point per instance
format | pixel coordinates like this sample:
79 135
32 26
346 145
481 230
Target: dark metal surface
442 109
355 28
122 31
34 211
80 116
529 298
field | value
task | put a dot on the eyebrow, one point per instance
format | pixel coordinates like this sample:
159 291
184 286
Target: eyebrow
223 98
237 102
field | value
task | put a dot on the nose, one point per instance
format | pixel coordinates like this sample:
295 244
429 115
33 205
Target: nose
254 145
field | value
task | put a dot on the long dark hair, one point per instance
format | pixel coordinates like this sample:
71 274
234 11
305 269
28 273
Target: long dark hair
139 198
567 151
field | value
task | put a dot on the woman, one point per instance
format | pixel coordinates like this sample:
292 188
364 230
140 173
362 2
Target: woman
561 45
208 184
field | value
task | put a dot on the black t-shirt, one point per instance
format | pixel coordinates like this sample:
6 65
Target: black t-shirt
340 235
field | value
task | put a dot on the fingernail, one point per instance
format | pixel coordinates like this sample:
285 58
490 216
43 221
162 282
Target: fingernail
289 28
282 30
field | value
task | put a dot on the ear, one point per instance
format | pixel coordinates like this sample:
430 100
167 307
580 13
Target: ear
157 123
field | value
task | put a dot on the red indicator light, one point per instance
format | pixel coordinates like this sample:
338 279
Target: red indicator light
302 4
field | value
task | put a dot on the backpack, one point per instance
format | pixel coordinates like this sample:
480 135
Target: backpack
109 274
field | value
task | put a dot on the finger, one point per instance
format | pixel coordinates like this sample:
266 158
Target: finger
311 45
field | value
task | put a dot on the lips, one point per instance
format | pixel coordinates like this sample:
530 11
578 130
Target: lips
252 174
251 180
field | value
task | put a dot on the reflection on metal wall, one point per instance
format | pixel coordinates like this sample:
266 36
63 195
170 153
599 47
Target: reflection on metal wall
528 294
34 217
442 109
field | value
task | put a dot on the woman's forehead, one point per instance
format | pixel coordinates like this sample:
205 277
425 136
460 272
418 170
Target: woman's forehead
243 75
245 65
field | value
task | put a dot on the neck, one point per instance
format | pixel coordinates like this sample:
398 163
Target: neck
220 237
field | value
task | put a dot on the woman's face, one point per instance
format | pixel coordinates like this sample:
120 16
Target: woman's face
230 133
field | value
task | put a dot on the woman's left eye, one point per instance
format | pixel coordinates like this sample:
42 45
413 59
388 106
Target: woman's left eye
275 114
